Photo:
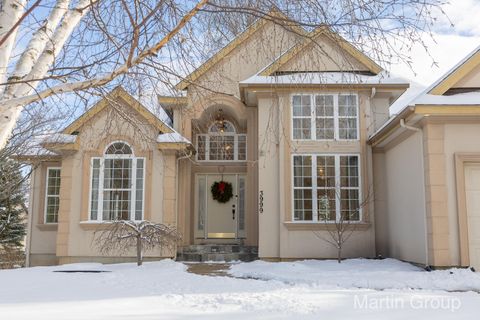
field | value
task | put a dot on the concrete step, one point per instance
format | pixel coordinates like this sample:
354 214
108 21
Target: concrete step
202 253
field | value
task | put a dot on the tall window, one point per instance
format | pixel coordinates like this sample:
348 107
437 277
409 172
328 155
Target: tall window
325 117
117 184
52 195
222 145
326 188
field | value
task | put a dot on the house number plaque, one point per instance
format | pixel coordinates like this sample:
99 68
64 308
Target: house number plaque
260 202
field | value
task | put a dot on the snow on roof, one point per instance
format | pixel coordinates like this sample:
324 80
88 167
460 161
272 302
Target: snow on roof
423 98
468 98
173 137
32 147
60 138
326 78
406 98
149 100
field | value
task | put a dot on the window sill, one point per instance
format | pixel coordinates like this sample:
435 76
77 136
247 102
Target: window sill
48 226
93 225
318 226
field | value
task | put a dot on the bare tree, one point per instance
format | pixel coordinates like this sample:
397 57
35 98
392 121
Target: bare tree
119 236
86 47
339 227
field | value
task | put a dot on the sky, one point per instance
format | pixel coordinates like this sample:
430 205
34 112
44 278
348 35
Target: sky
449 45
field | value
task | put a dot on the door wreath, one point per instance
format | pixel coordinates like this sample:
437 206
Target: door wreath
222 191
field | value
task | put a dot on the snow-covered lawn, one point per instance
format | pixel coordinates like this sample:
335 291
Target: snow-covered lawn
360 289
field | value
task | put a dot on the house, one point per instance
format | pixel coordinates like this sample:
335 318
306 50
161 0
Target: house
426 163
279 137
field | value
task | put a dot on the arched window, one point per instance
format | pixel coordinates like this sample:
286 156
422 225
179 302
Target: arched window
117 184
225 127
118 148
222 143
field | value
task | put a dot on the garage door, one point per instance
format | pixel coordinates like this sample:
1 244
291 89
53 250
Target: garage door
472 189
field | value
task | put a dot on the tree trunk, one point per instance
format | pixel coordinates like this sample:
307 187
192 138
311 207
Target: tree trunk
36 45
339 254
10 12
139 251
10 114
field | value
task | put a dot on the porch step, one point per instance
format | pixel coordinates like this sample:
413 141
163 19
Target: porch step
217 252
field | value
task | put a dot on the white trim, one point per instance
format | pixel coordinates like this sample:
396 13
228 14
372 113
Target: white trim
116 155
235 146
45 205
313 116
207 190
314 187
132 189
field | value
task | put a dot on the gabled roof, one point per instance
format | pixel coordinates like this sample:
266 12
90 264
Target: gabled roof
273 15
371 65
433 101
118 92
449 79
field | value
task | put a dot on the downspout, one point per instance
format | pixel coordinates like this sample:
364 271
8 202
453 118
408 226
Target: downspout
405 126
30 219
177 188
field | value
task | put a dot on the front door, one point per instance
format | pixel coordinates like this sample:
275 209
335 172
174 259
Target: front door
217 220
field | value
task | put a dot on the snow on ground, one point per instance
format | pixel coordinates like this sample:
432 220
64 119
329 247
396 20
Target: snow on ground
360 273
301 290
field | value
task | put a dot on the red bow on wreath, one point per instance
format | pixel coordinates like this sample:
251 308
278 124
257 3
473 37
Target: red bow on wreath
221 187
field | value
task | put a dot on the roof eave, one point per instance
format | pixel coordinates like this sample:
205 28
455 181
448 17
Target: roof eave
390 126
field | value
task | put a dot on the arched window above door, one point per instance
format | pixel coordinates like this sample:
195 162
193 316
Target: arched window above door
226 127
222 143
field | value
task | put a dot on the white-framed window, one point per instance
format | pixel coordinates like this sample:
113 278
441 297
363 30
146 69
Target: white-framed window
325 117
222 145
52 195
117 184
326 187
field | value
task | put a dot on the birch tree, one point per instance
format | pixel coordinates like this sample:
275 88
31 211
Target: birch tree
46 44
57 48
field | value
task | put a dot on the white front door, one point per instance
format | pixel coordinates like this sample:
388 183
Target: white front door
472 193
216 220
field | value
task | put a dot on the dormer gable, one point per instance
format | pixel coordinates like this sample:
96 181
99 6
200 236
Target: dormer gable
463 77
322 50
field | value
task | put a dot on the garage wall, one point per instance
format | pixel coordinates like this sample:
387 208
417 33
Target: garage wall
458 139
400 201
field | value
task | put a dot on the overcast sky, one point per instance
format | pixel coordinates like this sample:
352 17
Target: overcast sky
450 44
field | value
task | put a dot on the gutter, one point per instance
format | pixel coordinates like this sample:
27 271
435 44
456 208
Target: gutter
412 128
389 127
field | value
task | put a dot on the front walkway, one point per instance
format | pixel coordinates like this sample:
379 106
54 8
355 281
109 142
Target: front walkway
209 269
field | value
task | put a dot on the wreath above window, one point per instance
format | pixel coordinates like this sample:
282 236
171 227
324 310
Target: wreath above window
222 191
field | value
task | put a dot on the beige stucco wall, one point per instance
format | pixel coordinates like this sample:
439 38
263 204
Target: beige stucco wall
379 113
323 55
268 179
248 58
400 200
72 240
42 242
279 238
471 80
459 138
